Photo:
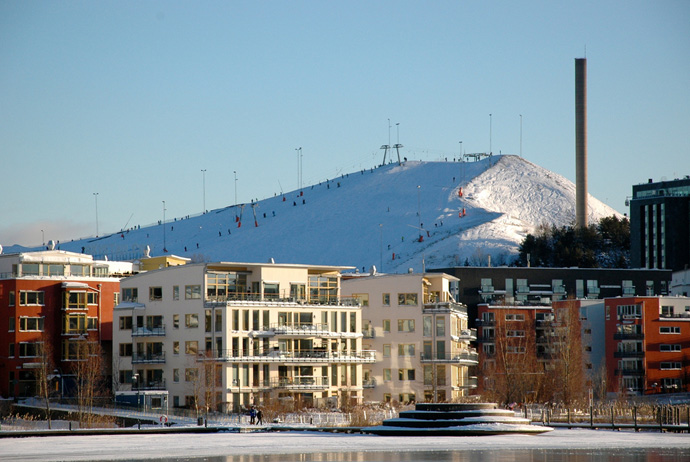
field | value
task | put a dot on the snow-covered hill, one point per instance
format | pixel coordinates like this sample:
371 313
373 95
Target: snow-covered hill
373 217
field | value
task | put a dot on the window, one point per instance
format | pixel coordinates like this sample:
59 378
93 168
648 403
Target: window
666 311
407 299
387 375
386 299
75 300
405 325
323 289
670 365
190 374
125 323
440 327
11 324
669 330
191 347
74 324
629 311
489 349
298 292
91 323
29 324
208 320
386 325
386 350
515 349
406 374
176 321
176 375
11 298
155 293
426 326
515 333
30 297
406 397
669 347
125 349
191 320
219 321
271 290
176 348
11 350
192 292
126 376
130 294
515 317
28 350
406 349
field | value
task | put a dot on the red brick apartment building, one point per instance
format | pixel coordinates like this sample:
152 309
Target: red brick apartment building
57 297
648 344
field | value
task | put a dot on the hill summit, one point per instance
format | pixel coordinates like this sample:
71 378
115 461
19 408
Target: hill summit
394 217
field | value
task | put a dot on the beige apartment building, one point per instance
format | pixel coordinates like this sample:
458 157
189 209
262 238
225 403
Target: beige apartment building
420 336
222 336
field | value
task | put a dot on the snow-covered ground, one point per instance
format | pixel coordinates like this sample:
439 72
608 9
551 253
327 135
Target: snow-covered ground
371 217
178 446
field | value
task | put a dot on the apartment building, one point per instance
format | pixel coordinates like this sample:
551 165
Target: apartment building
230 335
419 333
53 301
648 344
511 286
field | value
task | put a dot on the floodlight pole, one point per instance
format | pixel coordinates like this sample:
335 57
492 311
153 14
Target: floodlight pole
96 196
203 172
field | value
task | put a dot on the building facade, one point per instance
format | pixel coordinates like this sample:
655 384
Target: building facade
512 286
54 303
420 335
660 224
223 336
648 344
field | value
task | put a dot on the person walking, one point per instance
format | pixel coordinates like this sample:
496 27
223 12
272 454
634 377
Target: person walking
259 417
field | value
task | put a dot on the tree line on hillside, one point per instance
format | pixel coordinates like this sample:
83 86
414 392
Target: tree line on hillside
602 245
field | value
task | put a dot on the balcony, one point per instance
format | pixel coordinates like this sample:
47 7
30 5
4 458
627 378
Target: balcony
370 383
628 336
275 355
151 385
251 299
369 333
466 335
470 382
149 358
465 357
158 331
634 371
301 383
447 306
628 354
485 322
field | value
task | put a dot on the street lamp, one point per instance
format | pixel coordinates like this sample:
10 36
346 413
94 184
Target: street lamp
203 174
43 237
165 247
238 383
135 378
96 196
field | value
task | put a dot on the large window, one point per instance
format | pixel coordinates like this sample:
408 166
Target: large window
407 299
406 349
629 311
405 325
74 324
30 324
323 289
28 349
191 320
30 297
125 349
125 323
271 290
669 347
130 294
669 330
386 299
192 292
406 374
155 293
191 347
221 286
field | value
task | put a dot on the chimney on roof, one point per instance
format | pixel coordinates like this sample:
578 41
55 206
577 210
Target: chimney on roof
581 142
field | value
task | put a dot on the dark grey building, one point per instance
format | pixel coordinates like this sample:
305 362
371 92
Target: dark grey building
505 285
660 225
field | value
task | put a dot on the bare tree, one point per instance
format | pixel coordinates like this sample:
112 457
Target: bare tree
44 373
88 369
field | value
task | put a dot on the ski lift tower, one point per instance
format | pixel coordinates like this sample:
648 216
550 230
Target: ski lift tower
386 147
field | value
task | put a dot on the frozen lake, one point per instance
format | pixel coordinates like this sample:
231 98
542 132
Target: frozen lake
556 446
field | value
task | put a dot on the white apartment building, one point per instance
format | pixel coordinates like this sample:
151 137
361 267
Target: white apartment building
229 335
420 336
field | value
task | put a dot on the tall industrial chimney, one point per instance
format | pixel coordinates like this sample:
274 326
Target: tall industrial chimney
581 142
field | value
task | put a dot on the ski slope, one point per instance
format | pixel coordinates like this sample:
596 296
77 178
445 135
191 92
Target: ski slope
372 217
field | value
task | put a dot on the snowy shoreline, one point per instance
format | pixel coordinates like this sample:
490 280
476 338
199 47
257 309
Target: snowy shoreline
147 446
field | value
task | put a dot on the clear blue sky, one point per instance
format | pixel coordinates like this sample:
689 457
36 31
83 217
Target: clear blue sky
131 100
